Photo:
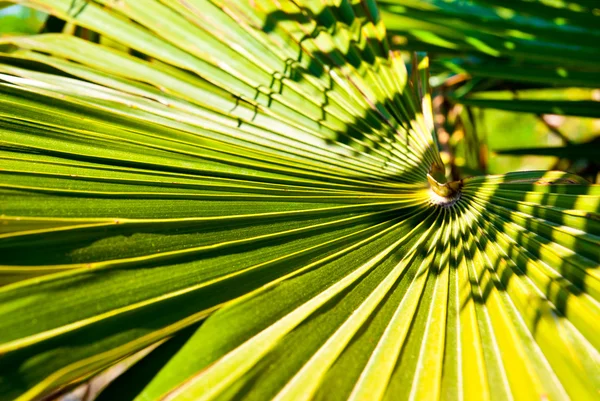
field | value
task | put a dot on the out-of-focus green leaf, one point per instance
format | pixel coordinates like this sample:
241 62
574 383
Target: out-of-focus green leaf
589 150
19 20
497 45
550 33
581 108
511 71
263 168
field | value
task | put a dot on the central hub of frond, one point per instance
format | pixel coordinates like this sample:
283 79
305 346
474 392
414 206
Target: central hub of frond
444 194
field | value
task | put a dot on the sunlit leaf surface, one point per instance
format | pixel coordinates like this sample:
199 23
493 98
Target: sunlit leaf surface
261 168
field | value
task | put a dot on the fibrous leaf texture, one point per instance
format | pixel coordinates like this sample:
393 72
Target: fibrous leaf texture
248 180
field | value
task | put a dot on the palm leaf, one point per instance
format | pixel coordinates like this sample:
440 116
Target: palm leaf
261 170
581 108
486 49
551 38
587 150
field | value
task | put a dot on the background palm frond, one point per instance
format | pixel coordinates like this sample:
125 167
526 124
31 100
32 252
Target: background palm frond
509 67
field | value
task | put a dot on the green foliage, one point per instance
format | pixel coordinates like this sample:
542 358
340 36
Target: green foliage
20 20
588 150
516 56
548 42
247 187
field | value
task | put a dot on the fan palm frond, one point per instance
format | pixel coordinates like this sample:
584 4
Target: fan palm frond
259 182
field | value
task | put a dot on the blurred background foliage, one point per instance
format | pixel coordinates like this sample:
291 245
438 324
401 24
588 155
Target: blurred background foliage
516 83
19 20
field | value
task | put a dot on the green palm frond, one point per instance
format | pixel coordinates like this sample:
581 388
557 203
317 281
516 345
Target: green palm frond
556 40
248 187
532 43
588 150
